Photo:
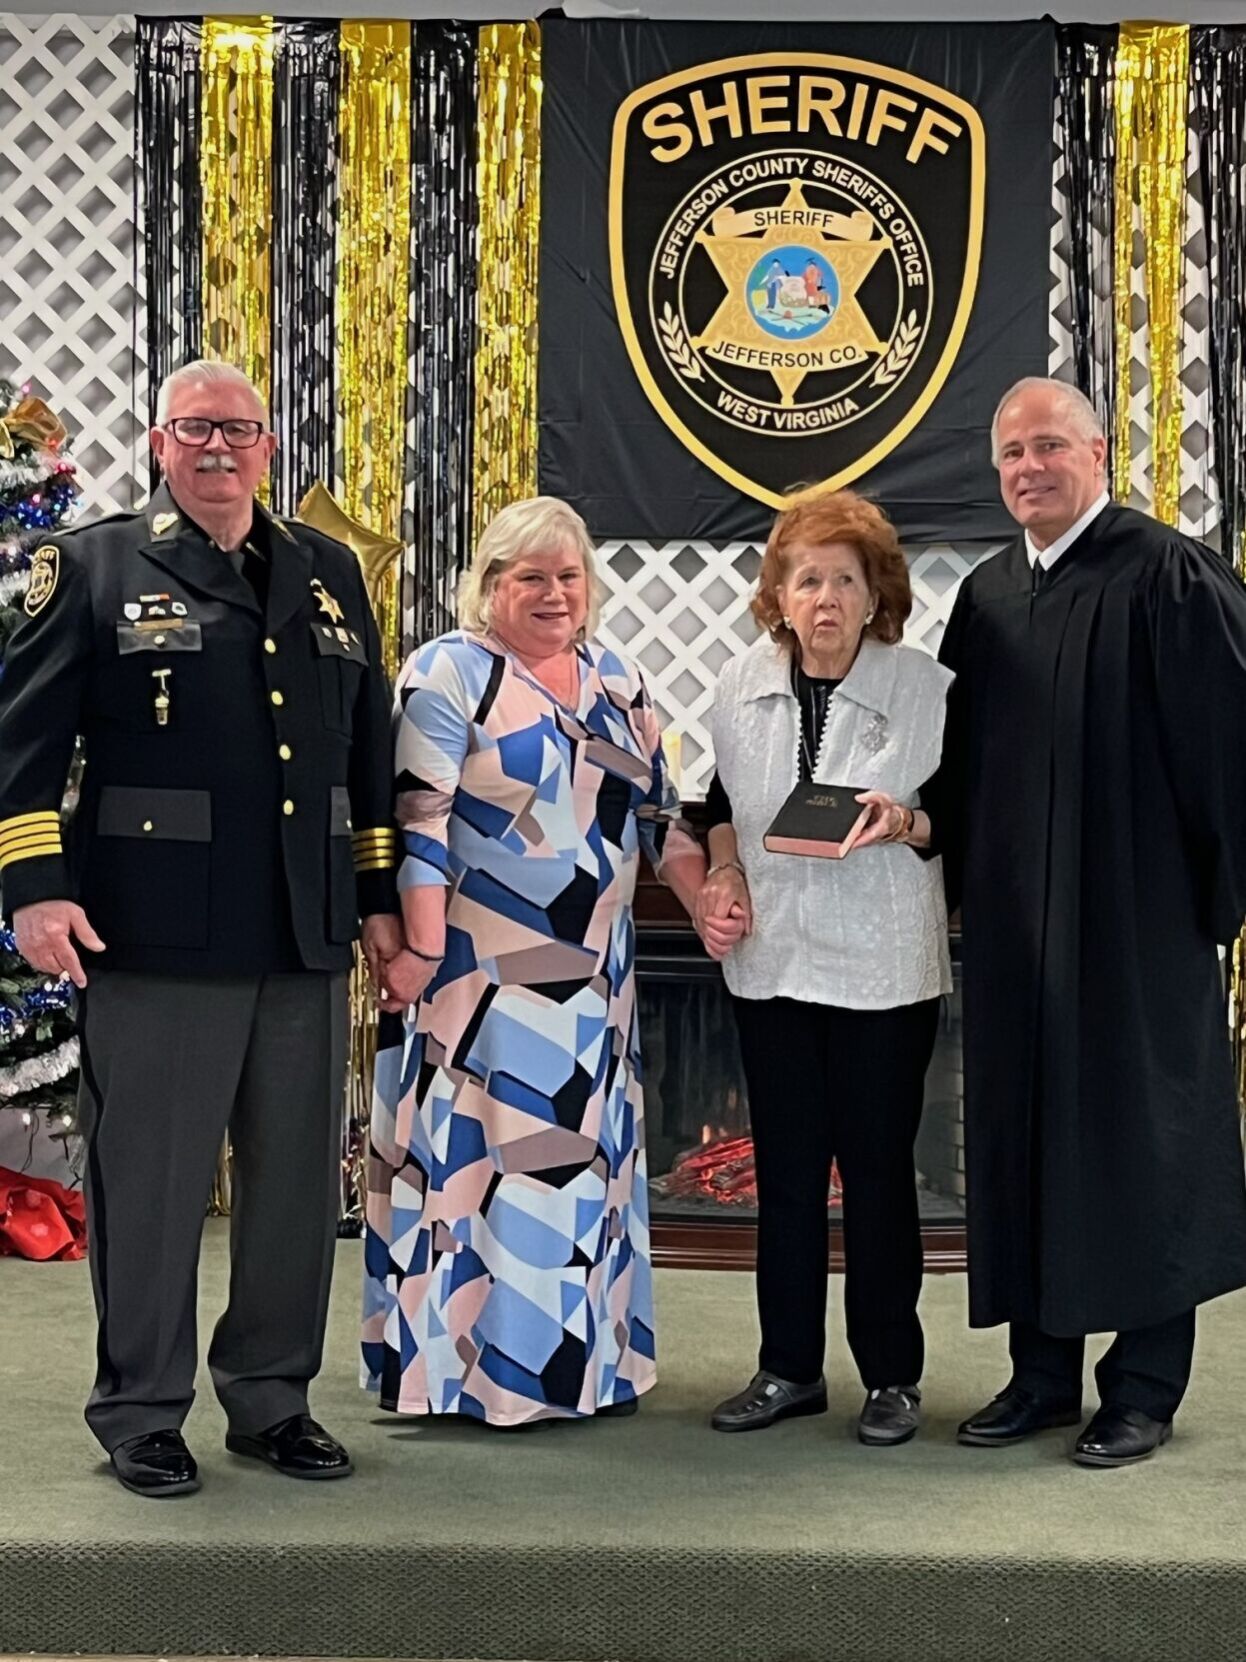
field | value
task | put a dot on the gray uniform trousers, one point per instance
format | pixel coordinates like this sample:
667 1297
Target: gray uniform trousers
169 1064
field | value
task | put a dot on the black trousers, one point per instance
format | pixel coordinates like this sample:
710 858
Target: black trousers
169 1064
827 1083
1147 1368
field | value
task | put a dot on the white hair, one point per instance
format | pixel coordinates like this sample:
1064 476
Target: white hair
537 525
203 372
1085 417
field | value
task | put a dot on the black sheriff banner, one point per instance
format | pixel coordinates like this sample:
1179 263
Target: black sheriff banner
788 255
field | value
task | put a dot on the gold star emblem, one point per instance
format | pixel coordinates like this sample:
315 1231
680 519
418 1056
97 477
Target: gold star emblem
328 605
734 333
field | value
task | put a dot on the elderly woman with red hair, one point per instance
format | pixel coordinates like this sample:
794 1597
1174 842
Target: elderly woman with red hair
836 983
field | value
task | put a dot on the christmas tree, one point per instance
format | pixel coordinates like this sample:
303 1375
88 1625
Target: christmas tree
38 1049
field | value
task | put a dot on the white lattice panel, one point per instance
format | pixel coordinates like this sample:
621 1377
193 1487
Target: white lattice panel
1060 355
680 611
1200 499
69 316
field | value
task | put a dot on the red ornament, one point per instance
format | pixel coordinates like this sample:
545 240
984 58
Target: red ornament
40 1218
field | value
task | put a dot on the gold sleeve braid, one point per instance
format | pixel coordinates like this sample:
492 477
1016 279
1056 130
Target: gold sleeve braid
376 849
28 836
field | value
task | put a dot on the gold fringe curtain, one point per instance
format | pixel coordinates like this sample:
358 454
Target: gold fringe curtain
508 183
373 294
374 256
236 173
1152 103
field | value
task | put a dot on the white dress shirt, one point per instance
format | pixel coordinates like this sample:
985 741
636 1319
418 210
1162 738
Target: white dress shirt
1048 556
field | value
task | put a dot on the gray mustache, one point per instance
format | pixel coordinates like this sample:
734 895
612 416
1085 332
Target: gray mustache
216 462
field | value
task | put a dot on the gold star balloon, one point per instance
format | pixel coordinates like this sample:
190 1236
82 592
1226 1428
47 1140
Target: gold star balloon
376 554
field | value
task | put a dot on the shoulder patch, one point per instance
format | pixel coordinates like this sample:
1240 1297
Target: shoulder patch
45 568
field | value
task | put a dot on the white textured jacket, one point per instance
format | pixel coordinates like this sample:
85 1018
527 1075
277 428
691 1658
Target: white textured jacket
867 932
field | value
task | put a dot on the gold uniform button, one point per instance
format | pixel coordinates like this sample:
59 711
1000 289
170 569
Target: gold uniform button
276 698
287 806
270 645
159 640
148 826
284 752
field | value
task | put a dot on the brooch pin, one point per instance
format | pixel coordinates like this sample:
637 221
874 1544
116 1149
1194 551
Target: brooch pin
875 735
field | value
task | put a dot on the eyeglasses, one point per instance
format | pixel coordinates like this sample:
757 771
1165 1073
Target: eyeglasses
197 431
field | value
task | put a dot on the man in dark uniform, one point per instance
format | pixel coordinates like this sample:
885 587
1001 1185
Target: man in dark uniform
1091 806
223 669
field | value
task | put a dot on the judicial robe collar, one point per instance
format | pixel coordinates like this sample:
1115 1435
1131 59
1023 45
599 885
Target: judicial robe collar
1047 557
766 672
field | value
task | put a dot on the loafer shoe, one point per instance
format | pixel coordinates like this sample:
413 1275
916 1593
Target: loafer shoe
618 1410
765 1399
155 1465
1012 1416
297 1447
1120 1437
890 1415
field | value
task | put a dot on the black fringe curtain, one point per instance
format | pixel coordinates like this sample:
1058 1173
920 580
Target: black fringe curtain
443 337
1218 72
1085 104
306 86
168 200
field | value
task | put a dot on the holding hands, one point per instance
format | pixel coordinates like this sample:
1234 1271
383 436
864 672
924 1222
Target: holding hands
722 909
399 975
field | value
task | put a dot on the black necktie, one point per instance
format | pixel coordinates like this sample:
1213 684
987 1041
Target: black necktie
250 564
1040 578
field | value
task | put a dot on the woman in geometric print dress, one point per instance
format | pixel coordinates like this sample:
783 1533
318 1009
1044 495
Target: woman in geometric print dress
507 1271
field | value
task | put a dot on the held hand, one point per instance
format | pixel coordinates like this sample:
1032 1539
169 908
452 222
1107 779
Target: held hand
45 934
404 978
719 935
887 822
726 891
381 939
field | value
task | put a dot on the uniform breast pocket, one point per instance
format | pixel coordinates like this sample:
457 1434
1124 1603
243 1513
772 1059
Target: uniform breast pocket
340 668
148 876
182 635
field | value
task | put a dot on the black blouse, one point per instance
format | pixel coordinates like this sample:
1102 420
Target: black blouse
813 693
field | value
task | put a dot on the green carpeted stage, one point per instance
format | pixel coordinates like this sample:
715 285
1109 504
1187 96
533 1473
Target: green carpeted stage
648 1539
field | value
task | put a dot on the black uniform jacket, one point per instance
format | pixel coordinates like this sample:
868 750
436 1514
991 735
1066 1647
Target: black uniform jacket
1092 805
236 805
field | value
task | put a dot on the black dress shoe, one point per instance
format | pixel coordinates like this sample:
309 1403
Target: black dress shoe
618 1410
890 1416
298 1447
765 1399
1014 1415
1120 1437
155 1465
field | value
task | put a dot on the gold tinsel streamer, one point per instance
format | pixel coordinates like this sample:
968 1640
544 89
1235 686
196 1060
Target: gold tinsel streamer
374 264
1152 98
373 288
508 183
236 172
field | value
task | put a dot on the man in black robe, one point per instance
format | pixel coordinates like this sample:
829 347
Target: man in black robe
1091 807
